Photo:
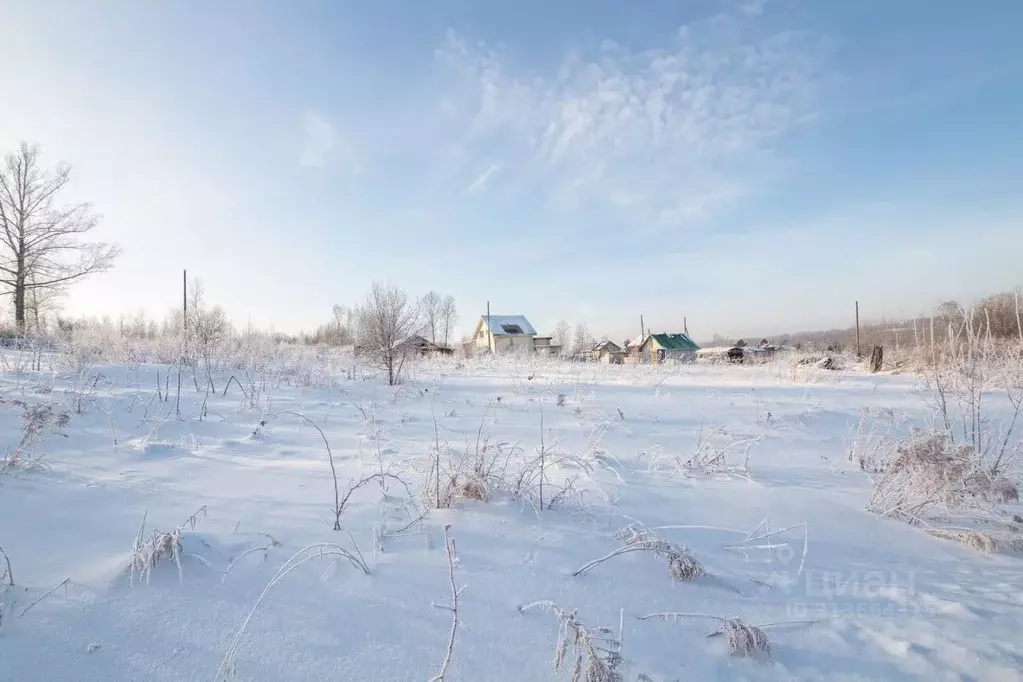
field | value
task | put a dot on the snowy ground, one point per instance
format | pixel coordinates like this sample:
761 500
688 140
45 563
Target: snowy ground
892 602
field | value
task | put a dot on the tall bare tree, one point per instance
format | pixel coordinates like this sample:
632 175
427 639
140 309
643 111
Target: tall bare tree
344 324
386 321
583 340
448 316
208 328
39 302
561 335
40 240
431 308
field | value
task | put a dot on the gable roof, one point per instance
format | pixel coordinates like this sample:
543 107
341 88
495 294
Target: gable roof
607 345
508 325
674 341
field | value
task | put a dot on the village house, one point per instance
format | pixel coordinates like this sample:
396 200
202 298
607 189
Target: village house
658 348
419 345
545 346
608 353
502 334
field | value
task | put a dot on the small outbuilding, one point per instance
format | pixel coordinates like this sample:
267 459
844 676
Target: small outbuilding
658 348
424 348
608 352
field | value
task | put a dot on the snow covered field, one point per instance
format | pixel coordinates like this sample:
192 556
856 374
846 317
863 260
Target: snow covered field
747 467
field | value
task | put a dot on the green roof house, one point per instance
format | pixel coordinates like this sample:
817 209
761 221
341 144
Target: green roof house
658 348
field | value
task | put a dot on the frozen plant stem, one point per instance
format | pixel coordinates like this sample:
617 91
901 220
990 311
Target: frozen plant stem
9 574
302 556
51 591
436 457
539 403
455 619
338 508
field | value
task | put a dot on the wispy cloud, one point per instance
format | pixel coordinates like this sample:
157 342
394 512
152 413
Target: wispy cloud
664 135
480 182
318 140
323 143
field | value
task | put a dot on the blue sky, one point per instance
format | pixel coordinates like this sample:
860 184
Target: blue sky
752 166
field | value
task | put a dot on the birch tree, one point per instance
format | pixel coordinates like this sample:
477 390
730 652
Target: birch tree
386 320
448 316
41 246
431 307
562 332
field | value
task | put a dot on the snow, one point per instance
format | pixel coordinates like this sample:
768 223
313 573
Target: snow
496 322
893 603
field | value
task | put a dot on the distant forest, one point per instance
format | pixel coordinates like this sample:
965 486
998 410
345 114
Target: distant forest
998 315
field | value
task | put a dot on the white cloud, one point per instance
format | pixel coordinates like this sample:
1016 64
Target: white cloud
665 135
318 140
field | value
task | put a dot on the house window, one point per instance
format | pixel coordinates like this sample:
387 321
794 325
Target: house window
511 328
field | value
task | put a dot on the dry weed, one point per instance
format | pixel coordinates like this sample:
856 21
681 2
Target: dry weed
748 641
147 552
7 575
322 550
682 565
974 539
597 653
35 420
930 470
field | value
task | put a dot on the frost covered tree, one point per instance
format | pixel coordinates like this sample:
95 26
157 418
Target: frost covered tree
38 303
430 308
387 319
583 340
448 317
208 328
562 332
343 325
41 245
438 316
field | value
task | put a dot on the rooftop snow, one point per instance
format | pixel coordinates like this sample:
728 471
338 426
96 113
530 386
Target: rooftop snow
498 322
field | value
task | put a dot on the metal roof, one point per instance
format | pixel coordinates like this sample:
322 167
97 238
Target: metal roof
675 341
499 322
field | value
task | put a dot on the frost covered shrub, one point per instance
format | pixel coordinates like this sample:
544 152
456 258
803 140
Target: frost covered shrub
149 550
982 542
745 640
930 470
36 419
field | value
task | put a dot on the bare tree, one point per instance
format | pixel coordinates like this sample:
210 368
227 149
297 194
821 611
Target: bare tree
208 327
583 340
431 307
38 302
562 332
344 324
40 241
448 316
386 321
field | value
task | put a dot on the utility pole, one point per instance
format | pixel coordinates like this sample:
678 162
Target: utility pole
184 300
642 330
490 333
858 353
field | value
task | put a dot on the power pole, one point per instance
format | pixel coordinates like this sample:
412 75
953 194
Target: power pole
184 300
858 353
490 333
